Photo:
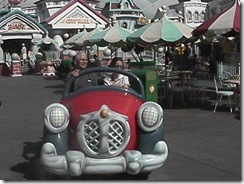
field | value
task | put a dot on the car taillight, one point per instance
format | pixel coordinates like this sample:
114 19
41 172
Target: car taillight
150 116
56 117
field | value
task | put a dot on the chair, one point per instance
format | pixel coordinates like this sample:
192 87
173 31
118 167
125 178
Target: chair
221 94
223 76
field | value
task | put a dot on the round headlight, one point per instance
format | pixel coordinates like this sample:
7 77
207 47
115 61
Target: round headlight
150 116
56 117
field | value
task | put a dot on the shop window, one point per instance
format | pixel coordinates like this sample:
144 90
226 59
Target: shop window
202 16
196 16
124 25
189 16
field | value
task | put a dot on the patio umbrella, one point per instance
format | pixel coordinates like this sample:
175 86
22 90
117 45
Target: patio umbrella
164 31
71 40
84 39
113 35
226 23
49 41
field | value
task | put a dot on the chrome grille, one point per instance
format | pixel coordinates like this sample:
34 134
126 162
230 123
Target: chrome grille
115 136
103 136
92 135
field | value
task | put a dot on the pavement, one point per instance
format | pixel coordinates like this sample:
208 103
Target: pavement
203 145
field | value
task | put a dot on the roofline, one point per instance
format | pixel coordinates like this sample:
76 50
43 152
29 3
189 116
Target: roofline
69 5
16 11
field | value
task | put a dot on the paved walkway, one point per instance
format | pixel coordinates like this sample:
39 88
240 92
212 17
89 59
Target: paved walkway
203 145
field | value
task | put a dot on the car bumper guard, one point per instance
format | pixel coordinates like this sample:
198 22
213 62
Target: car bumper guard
75 163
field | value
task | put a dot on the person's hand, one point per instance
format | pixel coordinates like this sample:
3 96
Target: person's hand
126 86
76 73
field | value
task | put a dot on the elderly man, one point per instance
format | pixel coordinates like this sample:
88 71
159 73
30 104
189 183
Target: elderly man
82 62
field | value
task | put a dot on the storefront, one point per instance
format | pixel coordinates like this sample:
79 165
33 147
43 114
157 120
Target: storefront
16 28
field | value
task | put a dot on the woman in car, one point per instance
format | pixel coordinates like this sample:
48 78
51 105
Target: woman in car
117 79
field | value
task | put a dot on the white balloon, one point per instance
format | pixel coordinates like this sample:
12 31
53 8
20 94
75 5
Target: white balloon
66 35
72 53
107 52
15 56
160 49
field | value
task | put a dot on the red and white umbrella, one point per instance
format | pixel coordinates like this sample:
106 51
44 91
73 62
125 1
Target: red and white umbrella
164 31
226 23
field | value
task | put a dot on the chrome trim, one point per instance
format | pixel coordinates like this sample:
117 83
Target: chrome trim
103 136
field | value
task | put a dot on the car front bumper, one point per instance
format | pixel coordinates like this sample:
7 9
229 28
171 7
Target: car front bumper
75 163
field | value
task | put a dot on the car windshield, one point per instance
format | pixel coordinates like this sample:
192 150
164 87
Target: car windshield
97 78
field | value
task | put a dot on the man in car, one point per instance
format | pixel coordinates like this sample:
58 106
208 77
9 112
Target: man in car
82 62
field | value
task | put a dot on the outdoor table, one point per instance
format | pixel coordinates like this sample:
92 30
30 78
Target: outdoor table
166 81
183 74
169 90
233 81
237 82
177 91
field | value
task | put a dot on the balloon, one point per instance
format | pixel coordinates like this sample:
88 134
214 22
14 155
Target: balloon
15 56
107 52
72 53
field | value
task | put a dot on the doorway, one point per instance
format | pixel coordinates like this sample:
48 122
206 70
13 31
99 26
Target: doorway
14 46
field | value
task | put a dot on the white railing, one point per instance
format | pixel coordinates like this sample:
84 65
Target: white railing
233 69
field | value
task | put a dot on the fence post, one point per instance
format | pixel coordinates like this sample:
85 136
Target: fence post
220 68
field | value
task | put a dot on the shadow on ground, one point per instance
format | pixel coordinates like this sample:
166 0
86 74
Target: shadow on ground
31 168
59 87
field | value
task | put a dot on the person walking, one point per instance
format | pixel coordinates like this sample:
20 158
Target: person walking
24 54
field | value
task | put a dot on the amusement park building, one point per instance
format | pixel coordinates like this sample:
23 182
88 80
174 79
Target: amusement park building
28 21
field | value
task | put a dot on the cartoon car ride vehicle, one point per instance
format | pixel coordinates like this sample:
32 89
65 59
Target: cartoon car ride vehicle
103 130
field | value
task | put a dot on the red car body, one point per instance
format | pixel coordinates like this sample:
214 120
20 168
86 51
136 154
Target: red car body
103 129
116 100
